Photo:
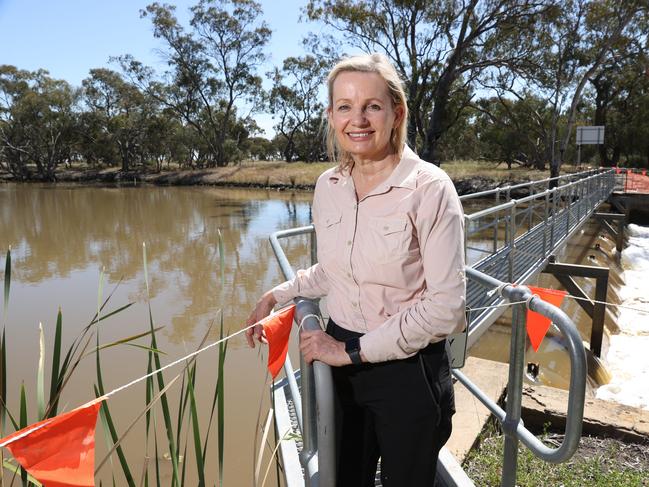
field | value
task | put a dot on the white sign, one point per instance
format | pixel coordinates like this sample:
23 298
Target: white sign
590 135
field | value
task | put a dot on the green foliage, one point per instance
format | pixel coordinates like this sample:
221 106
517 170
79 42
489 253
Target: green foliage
37 122
294 101
505 81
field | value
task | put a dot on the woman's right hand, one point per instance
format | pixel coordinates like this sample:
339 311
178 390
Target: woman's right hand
262 309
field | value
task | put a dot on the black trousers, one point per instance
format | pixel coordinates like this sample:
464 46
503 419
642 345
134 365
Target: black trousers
399 411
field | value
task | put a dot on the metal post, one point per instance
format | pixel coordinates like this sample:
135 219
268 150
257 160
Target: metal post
467 222
309 454
546 215
511 238
578 194
496 222
568 210
578 155
553 192
530 209
314 248
599 312
514 391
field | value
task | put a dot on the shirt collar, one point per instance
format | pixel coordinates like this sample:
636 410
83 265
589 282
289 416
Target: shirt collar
403 175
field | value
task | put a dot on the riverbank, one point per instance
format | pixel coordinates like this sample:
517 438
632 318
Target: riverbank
468 176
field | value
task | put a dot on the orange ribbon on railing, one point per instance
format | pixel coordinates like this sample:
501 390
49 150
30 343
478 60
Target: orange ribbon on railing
537 324
277 328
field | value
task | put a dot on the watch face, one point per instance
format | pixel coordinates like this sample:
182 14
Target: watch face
352 345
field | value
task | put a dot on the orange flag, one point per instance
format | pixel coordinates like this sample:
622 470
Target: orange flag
59 451
538 325
277 328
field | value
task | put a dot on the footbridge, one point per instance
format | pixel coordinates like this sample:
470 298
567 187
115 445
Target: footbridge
512 234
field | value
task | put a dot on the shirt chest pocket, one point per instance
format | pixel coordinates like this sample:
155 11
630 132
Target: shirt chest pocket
328 233
391 237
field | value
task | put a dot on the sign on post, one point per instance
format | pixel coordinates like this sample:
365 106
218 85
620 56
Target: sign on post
590 135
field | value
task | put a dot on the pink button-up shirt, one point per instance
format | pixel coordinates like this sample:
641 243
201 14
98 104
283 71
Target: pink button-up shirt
391 264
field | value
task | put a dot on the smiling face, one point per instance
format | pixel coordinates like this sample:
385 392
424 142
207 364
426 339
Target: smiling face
363 115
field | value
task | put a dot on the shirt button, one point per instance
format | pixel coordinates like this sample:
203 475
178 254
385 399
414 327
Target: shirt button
354 304
349 242
349 274
386 228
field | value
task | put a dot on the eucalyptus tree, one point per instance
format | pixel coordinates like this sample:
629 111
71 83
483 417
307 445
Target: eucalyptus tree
118 115
37 122
14 84
212 67
295 100
620 95
575 41
621 102
440 49
513 130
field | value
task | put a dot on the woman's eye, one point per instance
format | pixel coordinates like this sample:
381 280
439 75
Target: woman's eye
343 108
374 107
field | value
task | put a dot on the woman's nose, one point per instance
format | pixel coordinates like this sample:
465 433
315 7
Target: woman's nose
358 116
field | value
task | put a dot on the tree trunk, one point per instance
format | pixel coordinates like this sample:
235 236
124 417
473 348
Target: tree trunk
438 117
435 129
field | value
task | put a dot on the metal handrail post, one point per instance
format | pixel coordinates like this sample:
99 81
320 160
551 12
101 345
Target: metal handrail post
496 224
511 238
314 248
309 453
315 405
578 373
514 391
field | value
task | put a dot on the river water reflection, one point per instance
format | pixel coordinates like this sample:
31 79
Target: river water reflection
62 238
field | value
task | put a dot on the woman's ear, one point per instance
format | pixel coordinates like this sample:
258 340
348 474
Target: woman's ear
398 116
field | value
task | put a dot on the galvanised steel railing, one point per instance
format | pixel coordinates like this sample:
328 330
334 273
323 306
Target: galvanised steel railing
510 418
514 240
314 405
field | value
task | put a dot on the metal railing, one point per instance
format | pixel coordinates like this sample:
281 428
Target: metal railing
513 240
522 234
316 418
510 418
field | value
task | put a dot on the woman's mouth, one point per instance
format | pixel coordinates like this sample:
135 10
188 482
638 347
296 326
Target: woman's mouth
359 135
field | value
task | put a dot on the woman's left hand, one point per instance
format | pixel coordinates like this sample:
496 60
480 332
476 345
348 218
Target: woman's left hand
317 345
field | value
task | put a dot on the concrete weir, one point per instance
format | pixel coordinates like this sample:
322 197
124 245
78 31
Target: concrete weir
471 415
601 418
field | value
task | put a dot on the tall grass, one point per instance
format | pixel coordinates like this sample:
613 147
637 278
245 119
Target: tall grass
182 432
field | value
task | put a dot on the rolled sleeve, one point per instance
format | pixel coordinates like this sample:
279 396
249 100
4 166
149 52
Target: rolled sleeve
309 283
440 311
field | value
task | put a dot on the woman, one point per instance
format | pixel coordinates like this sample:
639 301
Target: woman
389 230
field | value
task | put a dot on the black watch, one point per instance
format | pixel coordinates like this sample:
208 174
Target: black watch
353 349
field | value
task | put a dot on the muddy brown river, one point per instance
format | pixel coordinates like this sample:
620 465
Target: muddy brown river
62 237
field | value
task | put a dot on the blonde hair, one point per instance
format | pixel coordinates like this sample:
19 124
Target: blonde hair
368 63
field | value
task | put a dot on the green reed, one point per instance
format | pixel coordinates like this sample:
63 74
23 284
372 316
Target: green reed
186 431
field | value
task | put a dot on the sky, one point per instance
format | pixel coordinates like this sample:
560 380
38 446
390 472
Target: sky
70 37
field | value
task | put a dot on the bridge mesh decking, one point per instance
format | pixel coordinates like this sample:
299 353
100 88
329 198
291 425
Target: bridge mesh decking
541 225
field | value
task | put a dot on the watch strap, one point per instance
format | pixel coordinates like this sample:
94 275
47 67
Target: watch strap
353 349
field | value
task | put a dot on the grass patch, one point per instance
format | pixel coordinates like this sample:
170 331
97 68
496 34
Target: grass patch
598 462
